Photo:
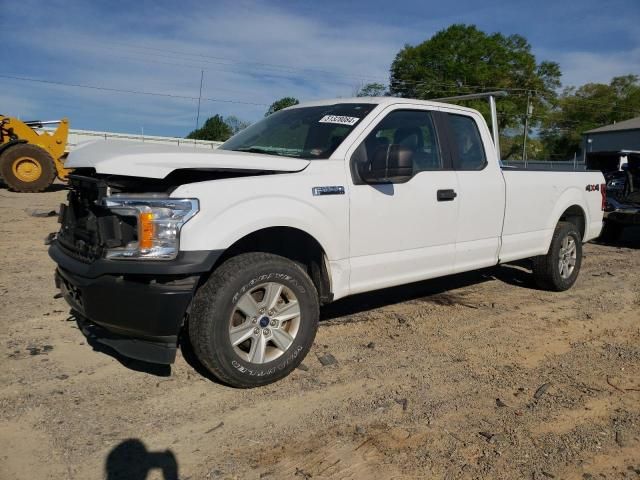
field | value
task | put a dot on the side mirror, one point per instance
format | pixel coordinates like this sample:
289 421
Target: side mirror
390 164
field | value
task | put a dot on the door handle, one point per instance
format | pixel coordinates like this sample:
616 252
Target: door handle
446 195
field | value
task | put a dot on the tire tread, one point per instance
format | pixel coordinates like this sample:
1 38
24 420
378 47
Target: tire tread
545 269
42 156
201 316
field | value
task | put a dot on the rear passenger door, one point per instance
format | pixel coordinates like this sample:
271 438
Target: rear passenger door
402 232
481 190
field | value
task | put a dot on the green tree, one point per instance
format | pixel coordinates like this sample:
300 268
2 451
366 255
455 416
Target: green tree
372 90
235 124
215 129
511 146
463 59
284 102
592 105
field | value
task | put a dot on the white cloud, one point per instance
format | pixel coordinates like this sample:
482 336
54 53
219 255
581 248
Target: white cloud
583 67
238 44
317 59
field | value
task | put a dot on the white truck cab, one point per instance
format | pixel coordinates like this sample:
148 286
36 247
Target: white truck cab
237 248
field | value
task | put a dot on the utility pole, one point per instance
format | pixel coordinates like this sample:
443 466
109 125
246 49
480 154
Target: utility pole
199 99
527 114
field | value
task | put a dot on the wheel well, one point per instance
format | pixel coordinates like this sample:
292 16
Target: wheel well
291 243
575 215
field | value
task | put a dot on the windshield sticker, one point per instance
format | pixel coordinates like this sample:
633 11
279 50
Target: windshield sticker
339 119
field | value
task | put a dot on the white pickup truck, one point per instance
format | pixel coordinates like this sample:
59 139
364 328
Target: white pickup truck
236 249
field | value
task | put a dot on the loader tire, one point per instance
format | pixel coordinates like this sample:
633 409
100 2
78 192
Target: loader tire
558 270
27 168
254 320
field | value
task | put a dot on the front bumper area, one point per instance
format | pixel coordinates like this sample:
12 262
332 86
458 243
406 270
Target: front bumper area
145 350
138 310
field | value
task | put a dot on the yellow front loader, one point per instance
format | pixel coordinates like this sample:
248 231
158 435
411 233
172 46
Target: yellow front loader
30 161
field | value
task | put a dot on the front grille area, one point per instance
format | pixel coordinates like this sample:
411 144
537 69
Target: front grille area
87 228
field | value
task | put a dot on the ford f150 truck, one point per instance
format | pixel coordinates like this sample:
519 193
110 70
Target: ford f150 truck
238 248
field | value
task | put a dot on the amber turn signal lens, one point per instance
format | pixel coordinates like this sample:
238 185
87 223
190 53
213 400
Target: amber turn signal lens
146 230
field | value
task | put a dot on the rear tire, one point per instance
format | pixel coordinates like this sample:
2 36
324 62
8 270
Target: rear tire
254 319
558 269
27 168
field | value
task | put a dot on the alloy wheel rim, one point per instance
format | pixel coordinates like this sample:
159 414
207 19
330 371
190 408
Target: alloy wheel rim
567 256
264 322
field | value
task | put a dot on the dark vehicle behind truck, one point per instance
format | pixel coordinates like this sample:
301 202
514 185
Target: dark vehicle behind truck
621 170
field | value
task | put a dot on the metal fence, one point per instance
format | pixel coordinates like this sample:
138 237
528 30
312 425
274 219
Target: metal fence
80 136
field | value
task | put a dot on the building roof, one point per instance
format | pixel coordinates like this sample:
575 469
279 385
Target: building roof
631 124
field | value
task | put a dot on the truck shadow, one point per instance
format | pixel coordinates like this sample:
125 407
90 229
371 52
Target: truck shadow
437 290
441 291
132 364
130 460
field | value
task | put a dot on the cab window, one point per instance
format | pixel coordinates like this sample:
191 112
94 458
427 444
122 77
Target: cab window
468 148
412 129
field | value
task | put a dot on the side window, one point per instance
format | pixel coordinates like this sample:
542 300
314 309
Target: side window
412 129
468 147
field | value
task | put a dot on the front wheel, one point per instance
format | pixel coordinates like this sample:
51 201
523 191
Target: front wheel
559 268
254 319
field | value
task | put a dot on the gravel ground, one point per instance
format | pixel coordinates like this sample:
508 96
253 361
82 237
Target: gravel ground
475 376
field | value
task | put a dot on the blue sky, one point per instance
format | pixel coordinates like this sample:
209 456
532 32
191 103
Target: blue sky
254 52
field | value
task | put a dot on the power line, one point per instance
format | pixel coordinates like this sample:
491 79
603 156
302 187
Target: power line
233 101
292 69
218 66
226 61
134 92
404 84
208 68
229 61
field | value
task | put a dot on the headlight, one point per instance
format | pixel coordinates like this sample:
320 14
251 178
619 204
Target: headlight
159 220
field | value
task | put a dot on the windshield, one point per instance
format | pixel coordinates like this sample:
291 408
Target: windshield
306 132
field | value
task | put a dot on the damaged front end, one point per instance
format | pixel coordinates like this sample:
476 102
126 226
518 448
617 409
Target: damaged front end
119 265
123 217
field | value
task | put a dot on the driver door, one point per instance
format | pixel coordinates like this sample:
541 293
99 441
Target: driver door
402 232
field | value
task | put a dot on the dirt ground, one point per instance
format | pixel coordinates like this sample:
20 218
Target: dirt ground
476 376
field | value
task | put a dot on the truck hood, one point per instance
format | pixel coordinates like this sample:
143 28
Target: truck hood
157 161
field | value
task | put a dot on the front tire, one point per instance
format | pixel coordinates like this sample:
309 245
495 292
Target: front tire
558 269
254 319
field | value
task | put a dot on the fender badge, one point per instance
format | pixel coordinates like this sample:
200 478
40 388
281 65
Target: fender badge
332 190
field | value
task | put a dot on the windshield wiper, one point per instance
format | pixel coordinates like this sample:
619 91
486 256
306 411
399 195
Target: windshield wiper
256 150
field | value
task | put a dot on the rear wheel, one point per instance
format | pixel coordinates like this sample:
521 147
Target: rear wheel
27 168
254 320
559 268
